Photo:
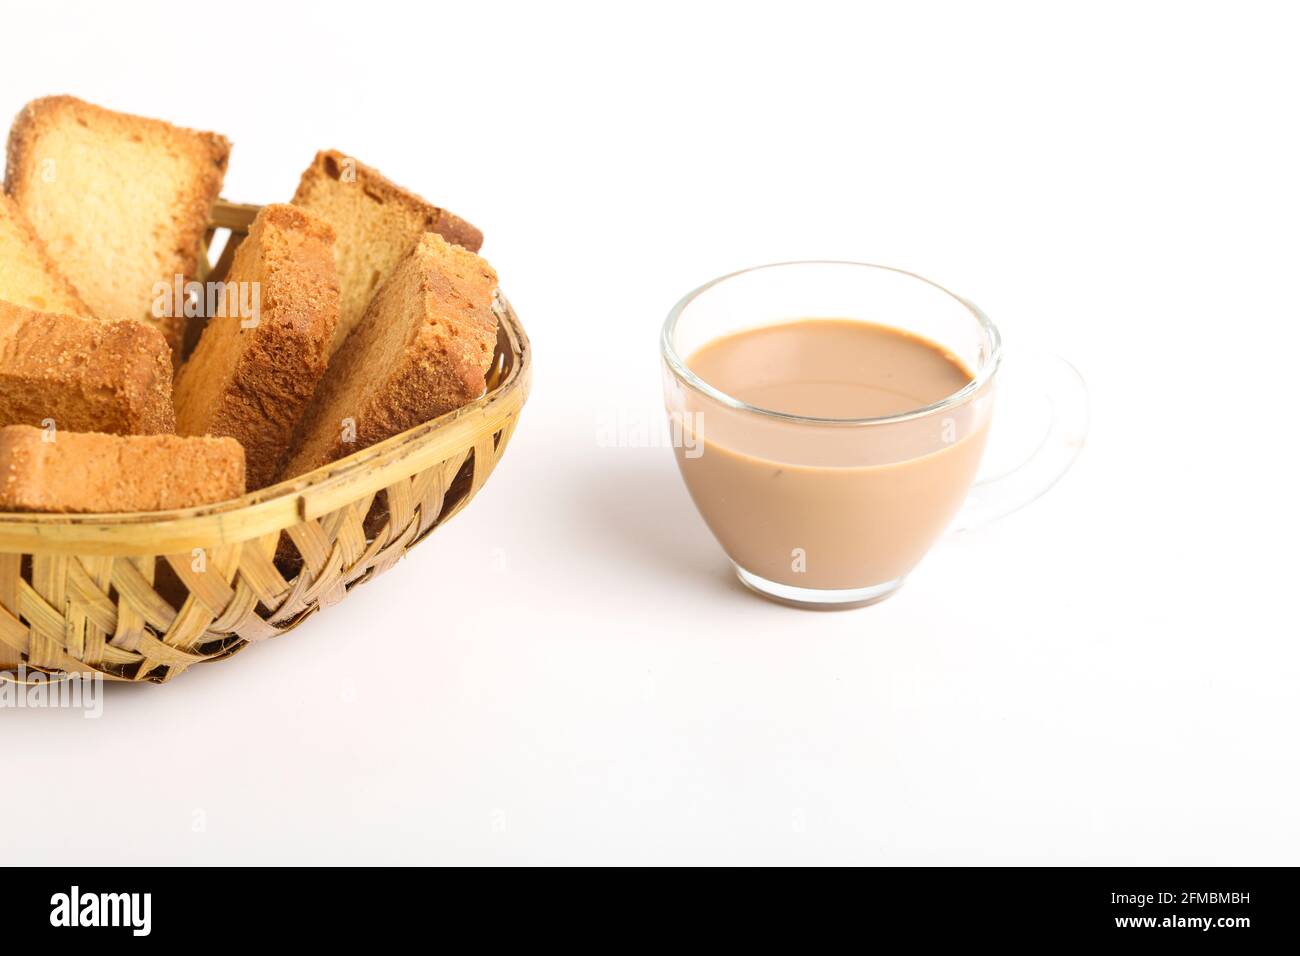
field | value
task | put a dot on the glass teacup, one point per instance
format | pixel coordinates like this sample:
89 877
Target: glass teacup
834 512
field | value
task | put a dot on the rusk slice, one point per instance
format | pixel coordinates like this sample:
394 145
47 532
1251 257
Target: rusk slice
376 222
422 349
121 202
64 372
250 377
28 277
87 472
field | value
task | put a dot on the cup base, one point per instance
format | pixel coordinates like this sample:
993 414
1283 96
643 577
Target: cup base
817 599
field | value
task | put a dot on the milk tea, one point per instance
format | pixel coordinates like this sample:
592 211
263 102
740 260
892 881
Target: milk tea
830 504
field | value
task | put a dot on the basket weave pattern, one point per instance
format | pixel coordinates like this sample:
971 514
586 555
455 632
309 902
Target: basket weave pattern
142 597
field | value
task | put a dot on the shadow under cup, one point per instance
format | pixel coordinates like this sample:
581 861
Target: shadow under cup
826 512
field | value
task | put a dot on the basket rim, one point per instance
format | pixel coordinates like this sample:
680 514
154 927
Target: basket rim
289 502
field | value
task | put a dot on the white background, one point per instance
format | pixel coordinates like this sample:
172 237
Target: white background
566 672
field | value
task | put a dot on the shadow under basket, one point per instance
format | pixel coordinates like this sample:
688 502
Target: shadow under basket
142 596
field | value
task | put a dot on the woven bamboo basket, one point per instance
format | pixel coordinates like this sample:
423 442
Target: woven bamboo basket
144 596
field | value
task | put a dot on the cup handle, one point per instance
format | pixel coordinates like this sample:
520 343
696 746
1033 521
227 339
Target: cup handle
1055 383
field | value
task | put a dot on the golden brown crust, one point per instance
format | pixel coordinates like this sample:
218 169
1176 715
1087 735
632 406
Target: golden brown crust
153 185
82 374
90 472
377 224
253 383
28 276
422 350
328 170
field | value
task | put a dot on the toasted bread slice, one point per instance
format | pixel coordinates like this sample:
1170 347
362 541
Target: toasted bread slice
422 349
90 472
376 222
28 277
251 377
121 202
83 375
